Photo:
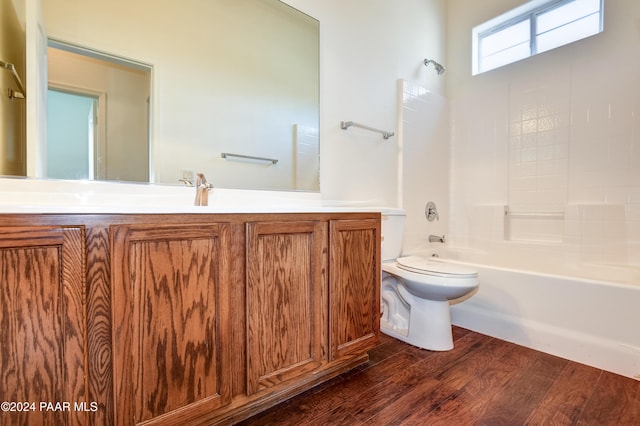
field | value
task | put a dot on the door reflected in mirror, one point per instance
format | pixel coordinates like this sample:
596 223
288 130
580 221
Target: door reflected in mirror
97 116
71 134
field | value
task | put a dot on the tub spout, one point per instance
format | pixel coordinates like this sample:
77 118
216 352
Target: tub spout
202 190
436 239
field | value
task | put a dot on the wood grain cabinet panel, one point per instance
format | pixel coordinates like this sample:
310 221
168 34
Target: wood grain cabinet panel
284 301
354 286
171 332
43 324
131 316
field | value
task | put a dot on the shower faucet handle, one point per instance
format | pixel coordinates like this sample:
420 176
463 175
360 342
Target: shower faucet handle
431 212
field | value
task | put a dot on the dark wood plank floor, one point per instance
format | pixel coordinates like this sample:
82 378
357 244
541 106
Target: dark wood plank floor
482 381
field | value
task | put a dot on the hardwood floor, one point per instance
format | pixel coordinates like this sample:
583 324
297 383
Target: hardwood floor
482 381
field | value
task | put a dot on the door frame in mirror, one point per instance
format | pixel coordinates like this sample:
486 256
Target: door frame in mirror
124 87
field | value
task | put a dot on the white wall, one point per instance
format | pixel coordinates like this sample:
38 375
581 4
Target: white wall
365 47
559 132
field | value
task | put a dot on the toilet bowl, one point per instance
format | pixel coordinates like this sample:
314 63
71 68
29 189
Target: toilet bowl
416 292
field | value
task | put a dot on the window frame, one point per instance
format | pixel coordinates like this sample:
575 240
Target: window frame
527 12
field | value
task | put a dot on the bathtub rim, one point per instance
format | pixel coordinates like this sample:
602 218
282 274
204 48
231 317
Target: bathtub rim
444 256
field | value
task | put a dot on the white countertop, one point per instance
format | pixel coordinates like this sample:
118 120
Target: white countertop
20 195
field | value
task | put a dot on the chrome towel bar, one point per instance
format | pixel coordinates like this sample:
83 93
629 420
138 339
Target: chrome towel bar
344 125
13 94
248 157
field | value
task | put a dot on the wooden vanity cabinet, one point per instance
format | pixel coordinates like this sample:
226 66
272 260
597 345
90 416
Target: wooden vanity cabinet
43 330
181 319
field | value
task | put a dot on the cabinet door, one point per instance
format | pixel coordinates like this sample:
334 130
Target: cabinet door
170 286
354 286
43 324
285 283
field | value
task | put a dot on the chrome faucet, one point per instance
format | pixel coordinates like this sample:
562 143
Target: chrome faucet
202 190
436 239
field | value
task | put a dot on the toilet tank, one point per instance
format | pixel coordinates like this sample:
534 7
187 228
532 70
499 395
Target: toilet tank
392 231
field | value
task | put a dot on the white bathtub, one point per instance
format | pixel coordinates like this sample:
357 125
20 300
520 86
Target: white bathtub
593 322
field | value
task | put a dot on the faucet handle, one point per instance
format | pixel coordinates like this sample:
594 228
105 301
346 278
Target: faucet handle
201 182
431 212
200 179
202 190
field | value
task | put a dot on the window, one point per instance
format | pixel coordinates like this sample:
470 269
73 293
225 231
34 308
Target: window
533 28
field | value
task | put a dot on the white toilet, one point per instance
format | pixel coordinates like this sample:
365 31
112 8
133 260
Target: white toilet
416 291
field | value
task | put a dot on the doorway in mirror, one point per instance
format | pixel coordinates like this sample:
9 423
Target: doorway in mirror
71 131
120 90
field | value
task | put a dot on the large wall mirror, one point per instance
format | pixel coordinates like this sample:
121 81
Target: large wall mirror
233 88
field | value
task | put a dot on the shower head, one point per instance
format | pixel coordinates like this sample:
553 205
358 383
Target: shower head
439 68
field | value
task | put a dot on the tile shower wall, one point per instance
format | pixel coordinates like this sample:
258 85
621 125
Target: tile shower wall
424 153
553 141
549 165
538 163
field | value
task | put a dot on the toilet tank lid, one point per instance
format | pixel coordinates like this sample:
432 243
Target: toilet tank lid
426 264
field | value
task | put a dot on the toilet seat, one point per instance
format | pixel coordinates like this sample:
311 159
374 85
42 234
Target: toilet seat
428 266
